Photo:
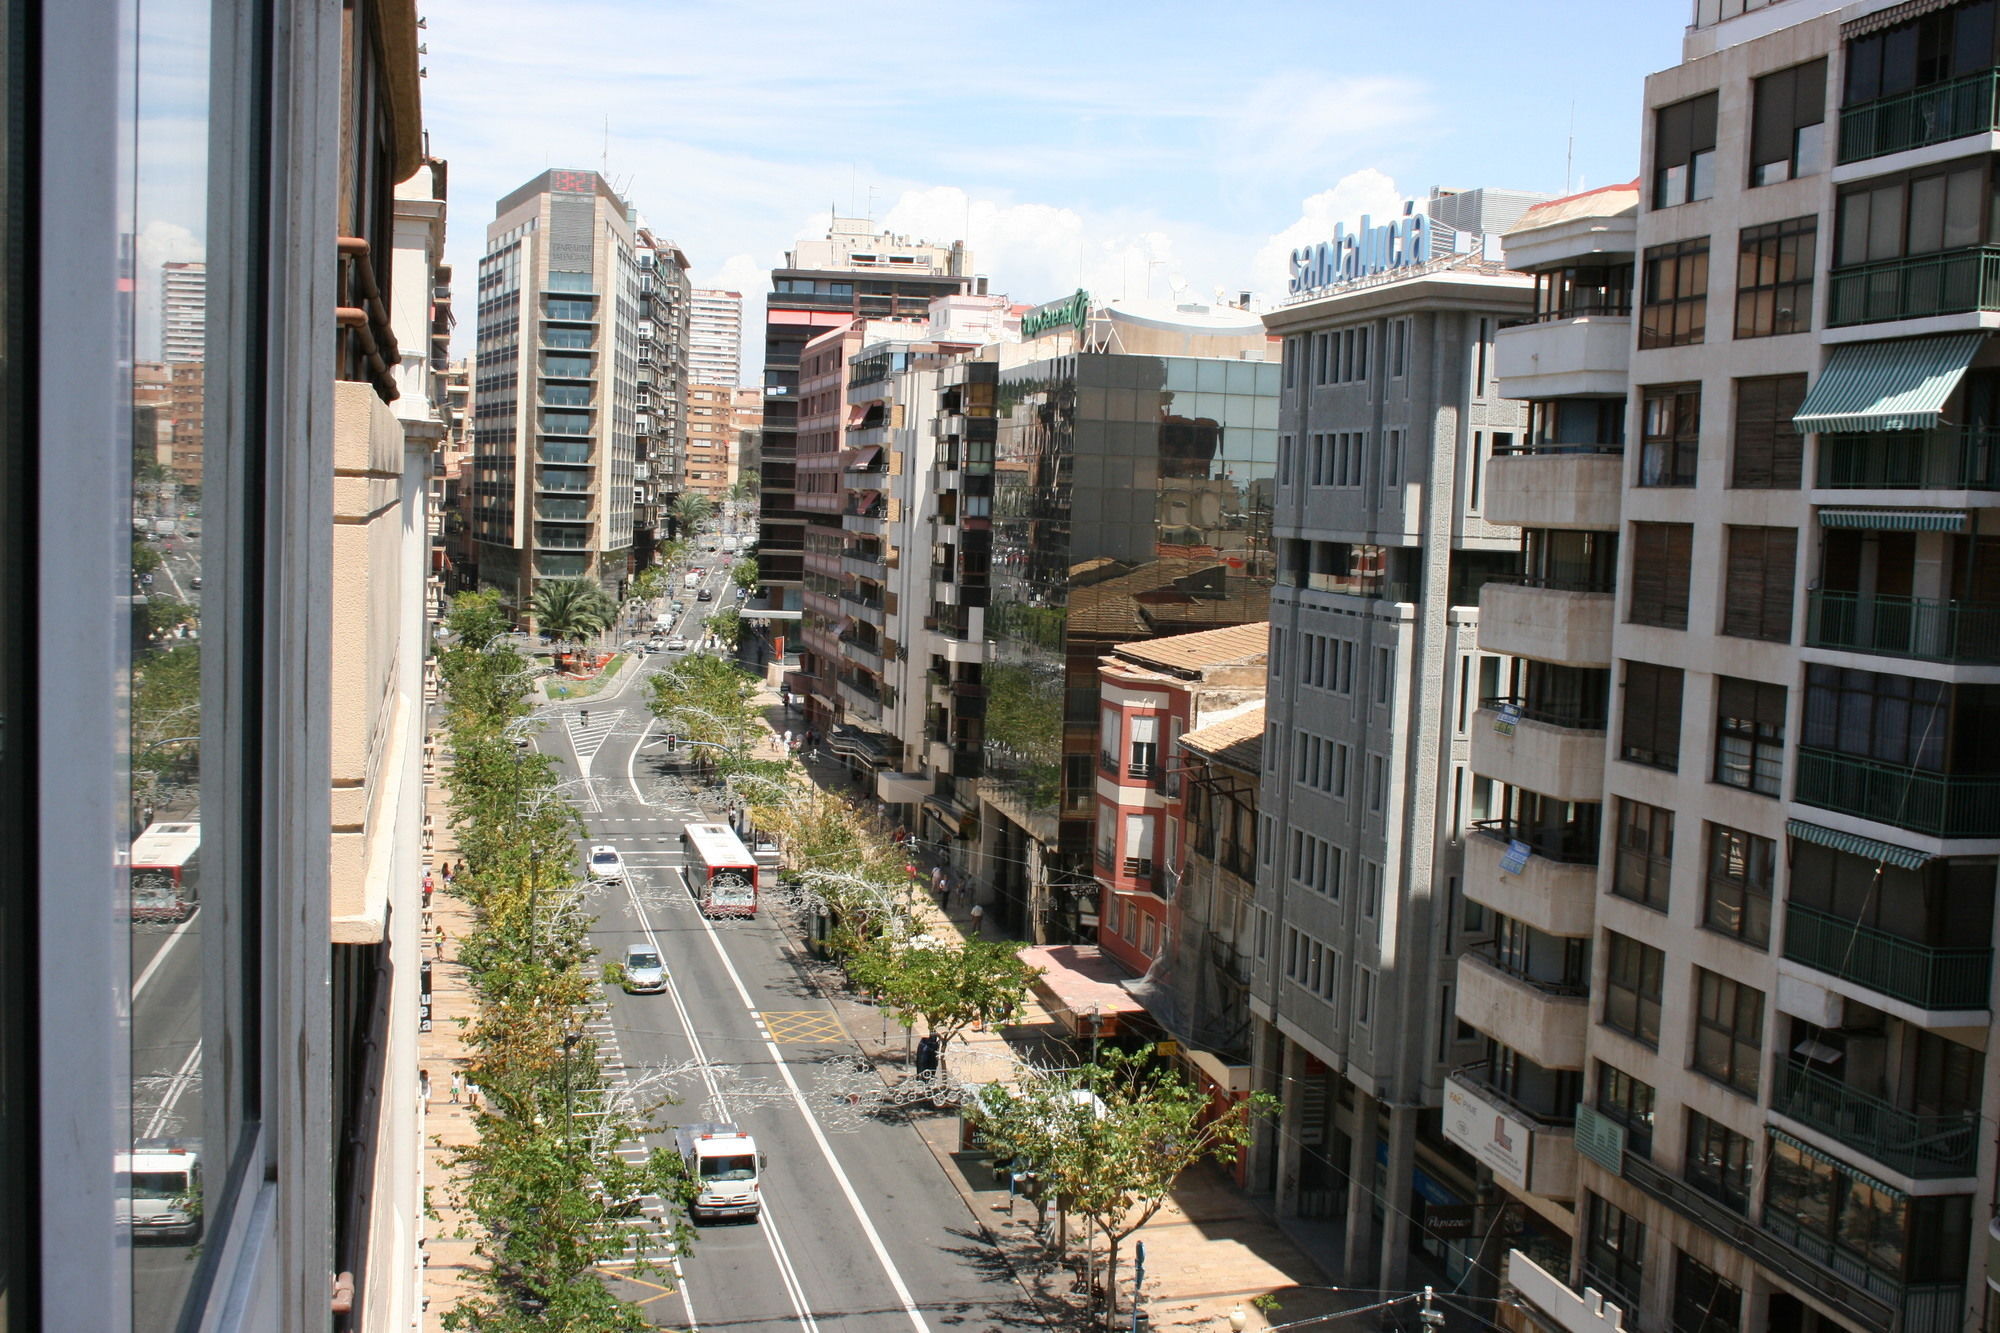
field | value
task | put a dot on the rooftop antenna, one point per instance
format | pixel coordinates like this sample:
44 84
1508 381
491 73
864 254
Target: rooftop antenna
604 163
1569 155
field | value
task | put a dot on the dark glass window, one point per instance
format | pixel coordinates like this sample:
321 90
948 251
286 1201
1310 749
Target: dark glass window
1645 853
1614 1251
1737 899
1902 719
1632 985
1788 124
1770 452
1684 151
1630 1102
1729 1030
1940 208
1864 1221
1718 1162
1945 44
1670 434
1774 278
1750 735
1674 305
1651 734
1704 1301
1757 591
1661 554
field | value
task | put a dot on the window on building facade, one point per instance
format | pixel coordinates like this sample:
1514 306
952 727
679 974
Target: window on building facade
1769 452
1614 1250
1145 756
1704 1301
1948 43
1757 586
1717 1162
1633 979
1674 297
1736 899
1811 1198
1919 213
1788 124
1651 728
1670 440
1749 735
1645 853
1774 278
1684 151
1893 719
1364 996
1628 1101
1729 1031
1661 555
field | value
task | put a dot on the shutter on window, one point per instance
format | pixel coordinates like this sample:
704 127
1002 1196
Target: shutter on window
1674 600
1780 553
1788 447
1743 589
1756 412
1701 122
1641 711
1771 137
1649 586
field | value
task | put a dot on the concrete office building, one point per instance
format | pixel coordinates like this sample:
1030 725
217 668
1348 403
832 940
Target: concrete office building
183 311
1390 418
555 392
1121 490
1787 1098
271 1034
715 337
660 422
856 272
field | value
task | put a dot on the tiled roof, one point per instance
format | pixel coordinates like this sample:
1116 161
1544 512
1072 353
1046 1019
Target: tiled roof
1236 741
1213 647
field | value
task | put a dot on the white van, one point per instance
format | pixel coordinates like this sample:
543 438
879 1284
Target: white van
159 1194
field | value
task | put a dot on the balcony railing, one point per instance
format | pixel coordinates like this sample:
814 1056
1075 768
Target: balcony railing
1142 772
1937 114
1576 717
1550 448
1351 585
1920 974
1140 867
1919 627
1928 1147
1940 804
1961 458
1562 578
1490 955
1951 282
1924 1307
1585 305
1107 763
1569 846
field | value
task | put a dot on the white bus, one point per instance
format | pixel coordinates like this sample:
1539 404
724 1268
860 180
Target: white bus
166 883
721 873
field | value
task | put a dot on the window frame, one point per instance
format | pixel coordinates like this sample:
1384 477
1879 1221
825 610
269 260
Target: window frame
1636 969
1669 435
1674 279
1649 723
1662 559
1776 262
1726 848
1757 596
1767 453
1645 836
1750 714
1795 100
1728 1044
1684 137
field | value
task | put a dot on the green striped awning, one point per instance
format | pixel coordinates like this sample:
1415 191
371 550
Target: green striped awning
1895 520
1801 1146
1897 385
1903 858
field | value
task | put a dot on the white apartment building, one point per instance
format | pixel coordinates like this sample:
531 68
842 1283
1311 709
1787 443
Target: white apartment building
715 337
183 311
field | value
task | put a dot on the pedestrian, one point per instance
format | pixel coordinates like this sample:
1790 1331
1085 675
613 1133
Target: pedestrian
439 945
457 1085
424 1086
448 873
427 893
788 738
472 1094
978 916
937 883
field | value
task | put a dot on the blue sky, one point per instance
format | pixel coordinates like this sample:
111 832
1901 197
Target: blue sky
1140 147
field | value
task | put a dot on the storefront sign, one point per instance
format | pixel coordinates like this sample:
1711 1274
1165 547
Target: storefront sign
1072 310
1487 1132
1410 239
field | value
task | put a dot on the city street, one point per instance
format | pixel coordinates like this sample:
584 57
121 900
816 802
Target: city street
861 1227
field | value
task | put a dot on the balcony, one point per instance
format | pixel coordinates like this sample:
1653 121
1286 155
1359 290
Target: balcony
1953 458
1926 1147
1937 980
1549 489
862 653
1563 762
1918 627
1371 586
861 600
1537 1152
1939 804
1555 897
1950 282
861 565
1548 624
1545 1021
1957 109
1563 358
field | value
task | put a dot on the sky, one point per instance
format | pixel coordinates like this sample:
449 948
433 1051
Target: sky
1170 148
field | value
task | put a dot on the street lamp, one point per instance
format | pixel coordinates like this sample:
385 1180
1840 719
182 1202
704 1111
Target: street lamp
1238 1321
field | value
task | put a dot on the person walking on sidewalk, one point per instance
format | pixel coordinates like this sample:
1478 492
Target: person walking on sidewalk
978 918
424 1087
457 1085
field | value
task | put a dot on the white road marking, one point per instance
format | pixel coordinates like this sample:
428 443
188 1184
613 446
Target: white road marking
153 965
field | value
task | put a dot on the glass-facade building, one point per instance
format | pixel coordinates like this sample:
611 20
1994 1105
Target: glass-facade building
1130 499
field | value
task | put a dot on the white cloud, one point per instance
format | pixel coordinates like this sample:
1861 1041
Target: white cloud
1367 191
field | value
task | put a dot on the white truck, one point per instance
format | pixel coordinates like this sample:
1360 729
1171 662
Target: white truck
159 1194
726 1167
690 580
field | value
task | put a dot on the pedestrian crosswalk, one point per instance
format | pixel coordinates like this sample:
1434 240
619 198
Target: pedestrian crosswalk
588 729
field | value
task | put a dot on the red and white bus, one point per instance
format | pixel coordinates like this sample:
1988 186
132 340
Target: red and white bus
721 873
165 879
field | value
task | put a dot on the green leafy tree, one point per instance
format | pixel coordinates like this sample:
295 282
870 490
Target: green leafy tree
1108 1140
164 615
691 512
145 560
476 619
650 583
726 625
572 608
950 989
711 702
673 556
744 574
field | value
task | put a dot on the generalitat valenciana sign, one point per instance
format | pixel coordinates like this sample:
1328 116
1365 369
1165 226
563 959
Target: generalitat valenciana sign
1399 243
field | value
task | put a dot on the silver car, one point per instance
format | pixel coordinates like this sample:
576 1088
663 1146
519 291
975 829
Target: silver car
645 974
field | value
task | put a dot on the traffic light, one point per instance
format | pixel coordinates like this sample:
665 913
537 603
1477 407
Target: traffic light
673 742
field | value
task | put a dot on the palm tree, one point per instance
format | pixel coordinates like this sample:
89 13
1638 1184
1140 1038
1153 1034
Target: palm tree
572 608
690 511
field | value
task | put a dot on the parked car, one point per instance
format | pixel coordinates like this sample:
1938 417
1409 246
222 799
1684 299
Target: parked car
677 644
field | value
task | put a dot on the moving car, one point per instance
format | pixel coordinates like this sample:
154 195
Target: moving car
705 595
606 863
677 644
645 974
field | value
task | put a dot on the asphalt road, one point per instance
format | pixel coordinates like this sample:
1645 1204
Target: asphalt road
862 1229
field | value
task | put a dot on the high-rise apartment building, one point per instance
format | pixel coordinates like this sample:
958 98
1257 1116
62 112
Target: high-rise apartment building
555 391
856 272
711 440
183 311
1389 418
1787 1091
715 337
661 441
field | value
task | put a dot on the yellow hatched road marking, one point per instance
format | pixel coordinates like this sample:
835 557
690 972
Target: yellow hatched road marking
802 1026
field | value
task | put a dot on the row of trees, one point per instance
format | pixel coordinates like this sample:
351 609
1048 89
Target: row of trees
547 1192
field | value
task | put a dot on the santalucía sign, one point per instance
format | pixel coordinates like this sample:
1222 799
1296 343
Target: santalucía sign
1073 310
1407 240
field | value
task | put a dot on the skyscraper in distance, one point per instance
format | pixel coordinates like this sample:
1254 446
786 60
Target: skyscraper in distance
715 338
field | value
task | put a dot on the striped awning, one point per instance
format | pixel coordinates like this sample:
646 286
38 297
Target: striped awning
1897 385
1903 858
1806 1149
1895 520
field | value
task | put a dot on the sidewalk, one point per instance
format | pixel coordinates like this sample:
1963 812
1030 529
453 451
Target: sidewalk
1209 1250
